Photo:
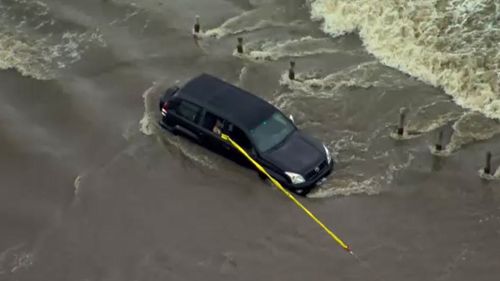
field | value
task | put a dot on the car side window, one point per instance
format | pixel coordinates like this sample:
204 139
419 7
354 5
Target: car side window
213 123
188 111
239 136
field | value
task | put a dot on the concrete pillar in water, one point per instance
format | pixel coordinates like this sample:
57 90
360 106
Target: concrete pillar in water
291 71
239 47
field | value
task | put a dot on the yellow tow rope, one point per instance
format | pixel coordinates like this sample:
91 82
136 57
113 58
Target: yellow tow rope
288 194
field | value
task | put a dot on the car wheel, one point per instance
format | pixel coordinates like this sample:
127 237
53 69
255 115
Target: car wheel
175 132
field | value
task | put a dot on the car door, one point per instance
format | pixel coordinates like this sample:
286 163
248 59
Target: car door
241 138
211 126
187 115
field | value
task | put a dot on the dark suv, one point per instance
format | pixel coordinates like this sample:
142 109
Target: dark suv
207 106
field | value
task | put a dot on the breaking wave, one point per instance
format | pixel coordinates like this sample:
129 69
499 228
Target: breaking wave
453 44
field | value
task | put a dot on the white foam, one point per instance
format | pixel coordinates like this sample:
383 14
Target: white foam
428 118
345 144
4 258
358 180
76 184
259 18
22 261
349 187
14 259
363 75
432 116
453 45
243 74
148 123
469 128
394 168
191 151
301 47
36 54
491 177
41 58
365 185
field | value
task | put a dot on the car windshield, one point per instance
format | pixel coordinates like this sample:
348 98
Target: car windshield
271 132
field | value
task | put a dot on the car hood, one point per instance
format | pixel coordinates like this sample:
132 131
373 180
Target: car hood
299 154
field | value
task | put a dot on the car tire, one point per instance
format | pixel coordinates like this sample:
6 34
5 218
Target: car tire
174 132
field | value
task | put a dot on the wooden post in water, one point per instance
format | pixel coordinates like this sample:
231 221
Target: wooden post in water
487 167
291 71
439 142
196 27
402 116
239 47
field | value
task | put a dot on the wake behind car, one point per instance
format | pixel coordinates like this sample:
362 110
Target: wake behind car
207 106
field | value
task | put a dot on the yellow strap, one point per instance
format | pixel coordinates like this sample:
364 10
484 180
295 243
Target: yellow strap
288 194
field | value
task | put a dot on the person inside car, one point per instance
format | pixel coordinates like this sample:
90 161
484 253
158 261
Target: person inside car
217 129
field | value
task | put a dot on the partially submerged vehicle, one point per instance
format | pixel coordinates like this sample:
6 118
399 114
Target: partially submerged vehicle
207 106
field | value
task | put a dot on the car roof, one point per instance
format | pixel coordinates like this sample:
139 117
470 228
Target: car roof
238 106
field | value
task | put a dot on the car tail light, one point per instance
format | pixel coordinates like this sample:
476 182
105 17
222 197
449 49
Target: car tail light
164 109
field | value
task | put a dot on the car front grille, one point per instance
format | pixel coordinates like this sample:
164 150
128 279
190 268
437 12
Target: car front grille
318 169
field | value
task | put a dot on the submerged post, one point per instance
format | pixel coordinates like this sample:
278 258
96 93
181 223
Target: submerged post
239 47
487 167
402 116
291 71
196 27
439 142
